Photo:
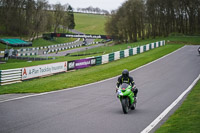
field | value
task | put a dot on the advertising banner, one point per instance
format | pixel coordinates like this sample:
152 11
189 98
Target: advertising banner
70 65
91 36
82 63
42 70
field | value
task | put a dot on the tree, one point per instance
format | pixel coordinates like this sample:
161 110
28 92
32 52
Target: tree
70 16
128 21
58 15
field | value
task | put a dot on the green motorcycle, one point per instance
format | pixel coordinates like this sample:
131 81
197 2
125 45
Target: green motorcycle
126 97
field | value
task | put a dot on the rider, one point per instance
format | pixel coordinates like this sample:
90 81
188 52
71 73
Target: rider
125 78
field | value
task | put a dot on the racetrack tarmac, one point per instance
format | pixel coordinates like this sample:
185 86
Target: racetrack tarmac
94 108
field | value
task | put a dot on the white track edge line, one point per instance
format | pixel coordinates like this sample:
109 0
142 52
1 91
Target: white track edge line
169 108
67 89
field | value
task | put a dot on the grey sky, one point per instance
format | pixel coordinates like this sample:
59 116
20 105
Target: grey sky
102 4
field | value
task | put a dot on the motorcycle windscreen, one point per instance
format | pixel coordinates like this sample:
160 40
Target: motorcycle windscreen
124 85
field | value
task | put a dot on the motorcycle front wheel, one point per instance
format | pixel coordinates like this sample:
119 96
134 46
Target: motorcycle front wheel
125 106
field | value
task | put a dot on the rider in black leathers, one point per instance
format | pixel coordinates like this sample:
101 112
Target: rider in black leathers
125 78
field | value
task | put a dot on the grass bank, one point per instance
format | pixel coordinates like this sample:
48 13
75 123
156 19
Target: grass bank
187 40
113 48
187 118
41 42
88 75
90 23
99 50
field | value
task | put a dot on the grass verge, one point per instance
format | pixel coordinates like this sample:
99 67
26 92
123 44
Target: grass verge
87 75
187 40
187 118
90 23
42 42
99 51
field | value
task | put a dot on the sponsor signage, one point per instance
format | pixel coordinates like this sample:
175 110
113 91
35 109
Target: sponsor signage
71 65
79 36
42 70
82 63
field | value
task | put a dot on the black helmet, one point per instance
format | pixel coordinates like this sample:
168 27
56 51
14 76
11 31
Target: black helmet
125 73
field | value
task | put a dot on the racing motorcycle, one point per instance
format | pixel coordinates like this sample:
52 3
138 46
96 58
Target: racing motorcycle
199 50
126 97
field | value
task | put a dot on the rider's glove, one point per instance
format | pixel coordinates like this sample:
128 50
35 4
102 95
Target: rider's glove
133 88
116 89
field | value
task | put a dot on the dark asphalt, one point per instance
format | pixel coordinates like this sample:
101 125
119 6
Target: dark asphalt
95 109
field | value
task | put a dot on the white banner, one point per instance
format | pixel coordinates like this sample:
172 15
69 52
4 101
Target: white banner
42 70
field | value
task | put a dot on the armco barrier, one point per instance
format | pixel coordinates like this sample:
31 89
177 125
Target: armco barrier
147 47
50 46
43 70
130 52
34 51
117 55
138 50
98 60
134 51
15 75
10 76
127 52
82 63
141 49
111 57
105 58
121 54
64 48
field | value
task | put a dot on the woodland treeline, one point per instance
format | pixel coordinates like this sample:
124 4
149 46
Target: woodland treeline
31 17
94 10
150 18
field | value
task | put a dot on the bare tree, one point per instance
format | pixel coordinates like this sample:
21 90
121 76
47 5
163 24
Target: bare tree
58 15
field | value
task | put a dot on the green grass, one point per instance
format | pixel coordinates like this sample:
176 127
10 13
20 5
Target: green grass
109 49
3 47
86 23
187 40
12 60
16 64
41 42
99 50
187 118
69 79
90 23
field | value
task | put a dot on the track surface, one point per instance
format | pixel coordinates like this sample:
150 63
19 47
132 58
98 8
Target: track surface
95 109
63 53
